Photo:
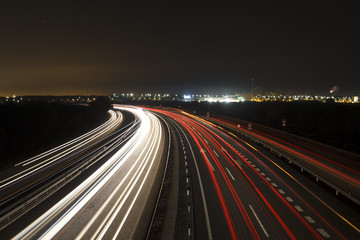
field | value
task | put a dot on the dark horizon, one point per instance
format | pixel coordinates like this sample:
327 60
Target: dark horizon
98 49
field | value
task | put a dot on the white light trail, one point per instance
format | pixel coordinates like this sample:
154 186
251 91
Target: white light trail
115 121
139 155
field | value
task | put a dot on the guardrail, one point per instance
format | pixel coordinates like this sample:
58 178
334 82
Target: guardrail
340 184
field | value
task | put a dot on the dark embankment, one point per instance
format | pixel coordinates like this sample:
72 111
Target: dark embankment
30 128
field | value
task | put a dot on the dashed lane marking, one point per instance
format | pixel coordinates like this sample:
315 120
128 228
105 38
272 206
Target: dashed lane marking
212 167
217 155
230 174
289 199
323 232
274 184
281 191
309 219
298 208
268 179
257 218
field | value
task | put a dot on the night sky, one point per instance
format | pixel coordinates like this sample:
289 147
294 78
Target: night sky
100 48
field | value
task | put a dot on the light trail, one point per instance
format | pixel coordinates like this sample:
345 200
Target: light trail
204 137
139 155
115 121
335 173
283 182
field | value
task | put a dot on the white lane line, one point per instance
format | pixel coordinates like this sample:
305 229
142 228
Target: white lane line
268 179
258 169
186 170
281 191
246 158
253 165
189 231
185 163
184 152
249 161
274 184
230 174
189 208
216 153
187 192
212 167
289 199
183 147
309 219
187 180
206 141
323 232
201 188
263 174
185 157
298 208
257 218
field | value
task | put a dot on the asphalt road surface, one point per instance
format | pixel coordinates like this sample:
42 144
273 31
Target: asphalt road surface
238 190
106 184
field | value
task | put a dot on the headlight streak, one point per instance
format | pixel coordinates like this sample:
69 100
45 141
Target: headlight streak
78 145
98 179
44 154
55 184
137 193
103 227
47 162
113 143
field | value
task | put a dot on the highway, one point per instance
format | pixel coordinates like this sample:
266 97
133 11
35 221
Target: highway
339 169
107 184
236 190
100 185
